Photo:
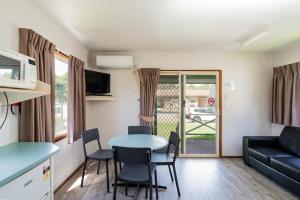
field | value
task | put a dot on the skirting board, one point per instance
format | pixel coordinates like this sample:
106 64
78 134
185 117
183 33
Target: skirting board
231 157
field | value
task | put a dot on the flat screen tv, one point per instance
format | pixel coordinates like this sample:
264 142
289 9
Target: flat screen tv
97 83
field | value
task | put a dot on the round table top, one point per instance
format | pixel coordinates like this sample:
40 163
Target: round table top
139 141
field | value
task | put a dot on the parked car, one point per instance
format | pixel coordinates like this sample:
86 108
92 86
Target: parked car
201 114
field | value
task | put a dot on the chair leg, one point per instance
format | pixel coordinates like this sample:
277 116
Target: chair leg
115 190
146 191
150 188
83 172
98 167
136 192
126 189
170 173
176 180
156 187
107 176
120 166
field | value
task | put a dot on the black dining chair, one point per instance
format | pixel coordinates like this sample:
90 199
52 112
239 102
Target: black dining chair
165 158
139 130
136 169
99 155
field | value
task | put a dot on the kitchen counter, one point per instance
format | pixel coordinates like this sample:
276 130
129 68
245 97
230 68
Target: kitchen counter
18 158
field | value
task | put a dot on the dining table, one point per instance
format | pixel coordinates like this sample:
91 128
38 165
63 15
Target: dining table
153 142
139 141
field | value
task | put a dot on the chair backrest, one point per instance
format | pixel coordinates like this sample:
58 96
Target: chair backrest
174 142
139 130
89 136
132 156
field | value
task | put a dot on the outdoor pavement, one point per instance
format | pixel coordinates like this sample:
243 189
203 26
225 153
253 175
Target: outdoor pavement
200 146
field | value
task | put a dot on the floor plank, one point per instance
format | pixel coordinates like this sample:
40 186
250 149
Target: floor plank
199 179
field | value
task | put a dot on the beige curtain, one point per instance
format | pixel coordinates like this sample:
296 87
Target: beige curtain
76 99
286 95
37 115
149 78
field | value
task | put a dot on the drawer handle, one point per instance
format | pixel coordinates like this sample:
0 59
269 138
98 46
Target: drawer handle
27 183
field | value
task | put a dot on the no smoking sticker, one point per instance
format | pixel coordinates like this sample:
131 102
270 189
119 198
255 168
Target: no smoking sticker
211 101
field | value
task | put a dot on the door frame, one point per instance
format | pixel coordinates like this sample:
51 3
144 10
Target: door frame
218 73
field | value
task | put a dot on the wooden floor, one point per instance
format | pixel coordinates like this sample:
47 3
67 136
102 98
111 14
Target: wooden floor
202 178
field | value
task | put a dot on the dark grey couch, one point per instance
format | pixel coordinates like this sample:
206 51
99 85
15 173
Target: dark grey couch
276 157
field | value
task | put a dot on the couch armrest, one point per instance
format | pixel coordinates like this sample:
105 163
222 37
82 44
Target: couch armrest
257 141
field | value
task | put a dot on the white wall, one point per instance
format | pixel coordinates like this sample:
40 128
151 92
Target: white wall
113 117
246 110
283 56
13 15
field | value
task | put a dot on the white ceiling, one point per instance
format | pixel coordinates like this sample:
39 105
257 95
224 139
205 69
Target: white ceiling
177 25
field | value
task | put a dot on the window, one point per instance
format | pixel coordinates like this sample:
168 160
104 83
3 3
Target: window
61 95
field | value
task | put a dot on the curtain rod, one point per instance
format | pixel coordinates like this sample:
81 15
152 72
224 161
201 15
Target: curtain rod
60 52
62 55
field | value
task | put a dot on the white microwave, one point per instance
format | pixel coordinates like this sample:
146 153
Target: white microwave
17 70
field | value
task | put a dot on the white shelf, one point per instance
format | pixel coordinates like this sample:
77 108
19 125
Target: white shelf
99 98
19 95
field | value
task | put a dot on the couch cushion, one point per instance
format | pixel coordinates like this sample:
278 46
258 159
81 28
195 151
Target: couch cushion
290 139
263 154
287 166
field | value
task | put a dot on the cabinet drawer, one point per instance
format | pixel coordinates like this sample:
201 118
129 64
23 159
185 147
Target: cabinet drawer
32 185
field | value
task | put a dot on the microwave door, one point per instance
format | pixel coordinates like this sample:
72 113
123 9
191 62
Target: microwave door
10 70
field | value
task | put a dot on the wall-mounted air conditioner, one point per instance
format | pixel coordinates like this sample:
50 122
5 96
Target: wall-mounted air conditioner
116 62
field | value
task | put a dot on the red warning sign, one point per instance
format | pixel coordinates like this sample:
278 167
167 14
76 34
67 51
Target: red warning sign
211 101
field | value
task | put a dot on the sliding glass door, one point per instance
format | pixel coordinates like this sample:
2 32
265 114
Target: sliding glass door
167 112
188 103
200 118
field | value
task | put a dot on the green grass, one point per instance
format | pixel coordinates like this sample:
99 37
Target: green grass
164 129
203 129
201 137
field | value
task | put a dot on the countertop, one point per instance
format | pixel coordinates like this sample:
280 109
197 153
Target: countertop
18 158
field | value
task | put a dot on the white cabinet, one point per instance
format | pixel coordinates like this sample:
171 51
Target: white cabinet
33 185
